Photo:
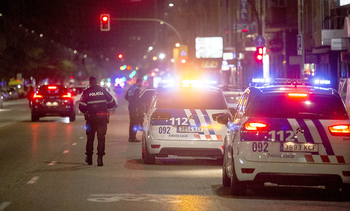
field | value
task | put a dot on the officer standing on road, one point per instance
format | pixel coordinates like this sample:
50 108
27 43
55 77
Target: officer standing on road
132 95
94 104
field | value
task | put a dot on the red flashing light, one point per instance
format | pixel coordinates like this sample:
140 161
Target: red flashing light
153 74
120 56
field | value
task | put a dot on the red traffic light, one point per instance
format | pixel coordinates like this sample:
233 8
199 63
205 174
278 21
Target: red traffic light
105 22
259 54
120 56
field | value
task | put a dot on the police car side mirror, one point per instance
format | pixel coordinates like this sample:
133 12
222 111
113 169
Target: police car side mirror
223 119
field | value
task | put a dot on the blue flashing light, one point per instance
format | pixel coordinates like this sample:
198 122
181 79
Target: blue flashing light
322 82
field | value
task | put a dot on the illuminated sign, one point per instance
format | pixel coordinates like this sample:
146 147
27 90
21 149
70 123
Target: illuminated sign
209 47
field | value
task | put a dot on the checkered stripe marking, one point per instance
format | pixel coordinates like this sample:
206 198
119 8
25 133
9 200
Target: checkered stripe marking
208 137
324 159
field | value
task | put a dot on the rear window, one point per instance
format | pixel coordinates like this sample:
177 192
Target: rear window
190 100
282 106
52 90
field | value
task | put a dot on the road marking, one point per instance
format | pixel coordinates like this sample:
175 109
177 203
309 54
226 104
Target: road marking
33 180
134 197
74 144
4 205
65 151
52 163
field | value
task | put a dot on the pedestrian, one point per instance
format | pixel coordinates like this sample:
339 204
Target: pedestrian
30 95
94 104
133 96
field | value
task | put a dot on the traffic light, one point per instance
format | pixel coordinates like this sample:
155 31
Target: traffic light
105 22
259 54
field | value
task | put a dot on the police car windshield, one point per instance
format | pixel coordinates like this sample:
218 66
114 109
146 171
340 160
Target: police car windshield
191 100
282 106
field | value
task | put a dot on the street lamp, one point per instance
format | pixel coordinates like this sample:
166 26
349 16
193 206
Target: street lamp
161 56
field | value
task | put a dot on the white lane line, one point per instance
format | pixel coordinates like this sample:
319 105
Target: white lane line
33 180
4 205
52 163
74 144
65 151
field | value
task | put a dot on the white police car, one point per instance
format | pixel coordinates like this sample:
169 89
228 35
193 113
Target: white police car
182 122
287 135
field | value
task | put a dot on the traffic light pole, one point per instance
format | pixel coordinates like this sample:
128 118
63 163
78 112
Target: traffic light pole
150 19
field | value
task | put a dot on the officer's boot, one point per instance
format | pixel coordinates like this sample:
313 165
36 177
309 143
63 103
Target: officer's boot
88 159
99 160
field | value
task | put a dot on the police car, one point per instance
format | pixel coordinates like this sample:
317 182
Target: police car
182 122
287 134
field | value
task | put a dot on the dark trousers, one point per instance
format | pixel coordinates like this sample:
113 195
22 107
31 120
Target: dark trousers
134 123
93 127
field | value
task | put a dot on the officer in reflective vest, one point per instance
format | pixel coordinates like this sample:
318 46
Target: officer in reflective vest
133 96
94 103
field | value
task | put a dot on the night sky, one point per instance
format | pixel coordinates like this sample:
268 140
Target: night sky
75 23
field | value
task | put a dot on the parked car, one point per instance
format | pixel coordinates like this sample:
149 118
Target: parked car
182 122
287 134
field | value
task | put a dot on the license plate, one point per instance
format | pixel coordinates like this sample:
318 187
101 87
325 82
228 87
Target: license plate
299 147
189 129
51 104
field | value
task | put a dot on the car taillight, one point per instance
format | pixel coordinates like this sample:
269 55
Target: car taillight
340 130
36 96
254 126
68 95
52 87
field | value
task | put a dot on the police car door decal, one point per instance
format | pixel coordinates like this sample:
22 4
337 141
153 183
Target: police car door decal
324 137
296 127
205 120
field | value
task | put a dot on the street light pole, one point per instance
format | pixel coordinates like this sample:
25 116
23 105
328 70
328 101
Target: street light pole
151 19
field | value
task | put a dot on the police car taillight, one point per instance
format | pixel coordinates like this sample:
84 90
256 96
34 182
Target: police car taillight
340 130
297 95
254 126
68 95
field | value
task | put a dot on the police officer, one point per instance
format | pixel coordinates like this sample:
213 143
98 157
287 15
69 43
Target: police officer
132 95
94 103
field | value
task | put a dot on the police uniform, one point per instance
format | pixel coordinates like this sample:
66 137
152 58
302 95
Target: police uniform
132 96
94 103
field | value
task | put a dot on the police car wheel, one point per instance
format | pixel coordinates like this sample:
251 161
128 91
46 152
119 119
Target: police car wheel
148 158
237 187
345 191
226 180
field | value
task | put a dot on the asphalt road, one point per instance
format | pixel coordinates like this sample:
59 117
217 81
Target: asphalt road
42 168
